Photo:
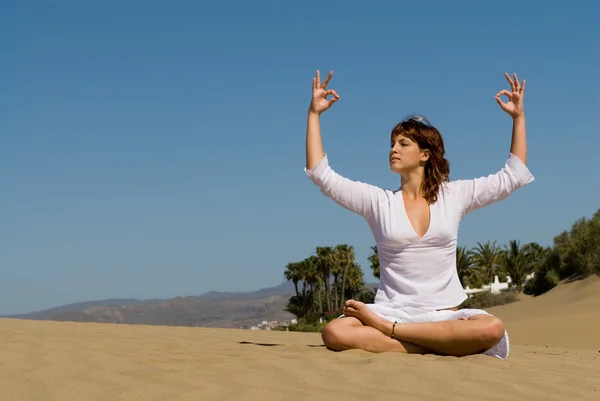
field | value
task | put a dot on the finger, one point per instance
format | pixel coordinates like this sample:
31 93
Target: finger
512 85
517 84
327 80
504 92
499 100
314 83
318 78
523 86
503 105
334 99
332 92
349 303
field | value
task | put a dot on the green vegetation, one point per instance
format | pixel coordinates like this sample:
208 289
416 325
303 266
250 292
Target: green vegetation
575 255
484 300
323 281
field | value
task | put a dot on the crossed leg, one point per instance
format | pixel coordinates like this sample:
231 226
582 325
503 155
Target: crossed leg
452 337
350 333
365 330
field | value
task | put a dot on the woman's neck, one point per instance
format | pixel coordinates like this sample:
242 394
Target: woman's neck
411 184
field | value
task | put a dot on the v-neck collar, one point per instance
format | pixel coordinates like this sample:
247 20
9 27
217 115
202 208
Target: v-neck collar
404 212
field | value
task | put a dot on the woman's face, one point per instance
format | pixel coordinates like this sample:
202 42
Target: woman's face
405 155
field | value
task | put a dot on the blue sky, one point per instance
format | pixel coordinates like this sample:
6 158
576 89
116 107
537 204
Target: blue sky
157 149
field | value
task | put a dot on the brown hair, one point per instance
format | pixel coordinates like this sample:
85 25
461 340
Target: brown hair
437 169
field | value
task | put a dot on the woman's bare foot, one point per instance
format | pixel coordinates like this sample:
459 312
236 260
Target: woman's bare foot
362 312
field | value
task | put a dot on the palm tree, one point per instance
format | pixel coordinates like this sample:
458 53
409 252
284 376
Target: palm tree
313 278
536 255
354 281
325 262
293 273
516 260
463 263
468 273
296 306
485 256
345 258
374 259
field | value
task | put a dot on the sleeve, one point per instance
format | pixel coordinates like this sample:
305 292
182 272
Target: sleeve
484 191
358 197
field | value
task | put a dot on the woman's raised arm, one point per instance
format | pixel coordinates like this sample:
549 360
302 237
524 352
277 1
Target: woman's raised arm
318 104
356 196
514 107
483 191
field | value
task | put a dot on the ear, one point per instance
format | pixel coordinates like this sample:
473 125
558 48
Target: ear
425 156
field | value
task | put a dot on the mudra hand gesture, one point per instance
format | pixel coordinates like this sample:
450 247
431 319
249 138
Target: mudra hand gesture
320 92
514 107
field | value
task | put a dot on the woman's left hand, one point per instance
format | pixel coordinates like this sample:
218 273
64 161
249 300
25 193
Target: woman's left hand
514 106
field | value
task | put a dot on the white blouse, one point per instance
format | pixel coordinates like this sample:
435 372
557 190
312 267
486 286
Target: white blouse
419 272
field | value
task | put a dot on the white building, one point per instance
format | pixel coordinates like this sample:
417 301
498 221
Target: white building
495 287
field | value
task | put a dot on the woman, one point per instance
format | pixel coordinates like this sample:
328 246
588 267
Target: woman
415 229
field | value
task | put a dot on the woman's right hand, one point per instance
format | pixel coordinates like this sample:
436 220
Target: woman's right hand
320 92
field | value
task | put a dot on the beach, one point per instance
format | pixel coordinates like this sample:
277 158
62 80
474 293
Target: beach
555 355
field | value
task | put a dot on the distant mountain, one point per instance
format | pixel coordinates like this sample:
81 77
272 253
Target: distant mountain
286 288
44 314
213 309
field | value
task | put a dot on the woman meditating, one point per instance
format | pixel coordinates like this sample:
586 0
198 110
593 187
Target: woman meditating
415 229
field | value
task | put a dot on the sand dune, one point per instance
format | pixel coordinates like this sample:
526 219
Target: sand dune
555 356
567 316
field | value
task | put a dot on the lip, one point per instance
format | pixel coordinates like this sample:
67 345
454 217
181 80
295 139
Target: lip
394 159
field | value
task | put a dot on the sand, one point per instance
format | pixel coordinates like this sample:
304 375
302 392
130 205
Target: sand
555 355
